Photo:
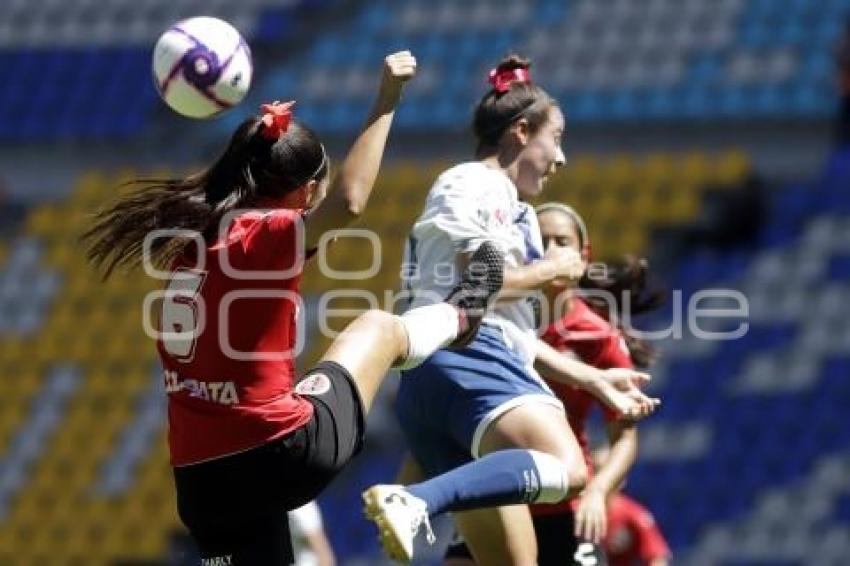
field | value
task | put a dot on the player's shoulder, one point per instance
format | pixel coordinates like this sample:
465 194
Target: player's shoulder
261 231
275 217
585 318
283 216
467 176
631 507
464 169
279 221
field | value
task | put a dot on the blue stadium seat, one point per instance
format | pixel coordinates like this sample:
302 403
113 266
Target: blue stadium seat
839 268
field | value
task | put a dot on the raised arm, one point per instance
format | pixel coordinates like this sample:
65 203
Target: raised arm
616 387
557 263
350 189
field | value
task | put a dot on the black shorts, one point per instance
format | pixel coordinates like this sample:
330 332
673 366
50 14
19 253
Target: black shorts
235 507
556 544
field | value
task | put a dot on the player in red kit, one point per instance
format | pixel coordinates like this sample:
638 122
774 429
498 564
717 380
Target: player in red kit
633 537
247 441
587 333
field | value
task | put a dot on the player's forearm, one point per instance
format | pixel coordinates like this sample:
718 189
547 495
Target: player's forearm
356 178
529 277
623 438
555 366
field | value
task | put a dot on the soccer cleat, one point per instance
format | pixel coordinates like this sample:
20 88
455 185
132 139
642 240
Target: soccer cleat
478 286
399 516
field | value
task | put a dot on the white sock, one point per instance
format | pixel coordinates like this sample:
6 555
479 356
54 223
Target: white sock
553 477
428 329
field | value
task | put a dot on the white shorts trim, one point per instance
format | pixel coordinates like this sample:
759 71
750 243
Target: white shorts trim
504 408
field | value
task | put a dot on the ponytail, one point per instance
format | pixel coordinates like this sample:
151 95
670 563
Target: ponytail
627 277
251 168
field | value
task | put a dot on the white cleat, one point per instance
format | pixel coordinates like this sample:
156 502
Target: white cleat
399 516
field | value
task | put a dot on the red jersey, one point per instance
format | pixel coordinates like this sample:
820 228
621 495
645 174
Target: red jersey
230 382
594 341
633 537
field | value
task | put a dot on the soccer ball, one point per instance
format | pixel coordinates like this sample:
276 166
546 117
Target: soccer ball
202 67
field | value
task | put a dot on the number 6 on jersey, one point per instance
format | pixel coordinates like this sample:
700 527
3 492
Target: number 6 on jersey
182 314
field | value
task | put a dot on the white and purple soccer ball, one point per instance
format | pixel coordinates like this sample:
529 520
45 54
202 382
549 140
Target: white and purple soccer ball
202 66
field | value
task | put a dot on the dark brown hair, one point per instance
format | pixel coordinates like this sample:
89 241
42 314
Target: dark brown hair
628 276
496 111
250 169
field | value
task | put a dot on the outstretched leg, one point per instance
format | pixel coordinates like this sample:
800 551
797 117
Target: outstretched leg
376 340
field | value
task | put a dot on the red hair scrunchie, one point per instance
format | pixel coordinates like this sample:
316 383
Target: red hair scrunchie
502 80
275 119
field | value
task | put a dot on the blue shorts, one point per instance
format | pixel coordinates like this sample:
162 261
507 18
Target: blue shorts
446 404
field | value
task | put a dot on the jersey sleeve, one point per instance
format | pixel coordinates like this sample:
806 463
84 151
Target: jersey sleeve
588 351
285 224
456 208
280 240
613 353
651 543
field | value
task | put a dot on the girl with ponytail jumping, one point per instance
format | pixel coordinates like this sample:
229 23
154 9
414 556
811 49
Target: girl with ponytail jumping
247 441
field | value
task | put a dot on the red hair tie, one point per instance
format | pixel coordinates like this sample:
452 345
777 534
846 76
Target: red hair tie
502 80
276 118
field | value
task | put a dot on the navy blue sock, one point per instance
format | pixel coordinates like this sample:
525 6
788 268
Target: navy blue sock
505 477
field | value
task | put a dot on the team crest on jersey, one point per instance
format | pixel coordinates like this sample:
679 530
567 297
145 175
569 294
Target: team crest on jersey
315 384
492 218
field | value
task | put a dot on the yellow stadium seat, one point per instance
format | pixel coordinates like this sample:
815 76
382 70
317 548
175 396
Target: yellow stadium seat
583 169
732 167
641 211
428 174
11 349
37 553
584 196
608 207
694 169
619 169
90 184
9 548
657 167
77 547
626 194
683 207
633 240
43 221
60 255
402 177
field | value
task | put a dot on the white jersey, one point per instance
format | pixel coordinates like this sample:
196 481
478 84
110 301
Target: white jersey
469 204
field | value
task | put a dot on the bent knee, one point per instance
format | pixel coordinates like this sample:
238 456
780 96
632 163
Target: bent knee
578 474
376 317
575 469
558 477
382 321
